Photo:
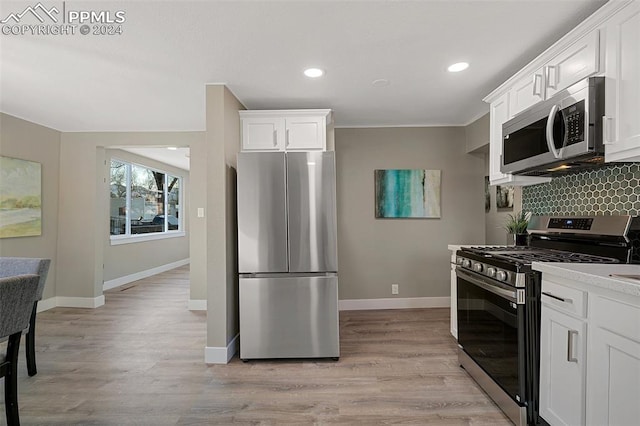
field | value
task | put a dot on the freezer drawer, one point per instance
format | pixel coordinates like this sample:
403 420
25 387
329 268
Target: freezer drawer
289 317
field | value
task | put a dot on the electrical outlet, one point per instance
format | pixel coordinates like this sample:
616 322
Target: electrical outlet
394 288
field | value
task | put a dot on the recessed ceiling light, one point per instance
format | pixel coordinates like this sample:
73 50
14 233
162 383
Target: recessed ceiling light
457 67
172 148
381 82
313 72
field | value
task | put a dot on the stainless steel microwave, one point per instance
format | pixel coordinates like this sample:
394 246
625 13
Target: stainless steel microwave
559 135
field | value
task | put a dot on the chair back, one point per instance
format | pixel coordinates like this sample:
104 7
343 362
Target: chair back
11 266
17 295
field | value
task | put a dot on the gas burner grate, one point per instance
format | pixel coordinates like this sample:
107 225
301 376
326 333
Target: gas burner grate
554 256
527 254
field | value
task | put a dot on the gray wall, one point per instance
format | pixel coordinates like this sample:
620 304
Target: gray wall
126 259
495 218
213 253
477 134
83 214
29 141
477 143
374 253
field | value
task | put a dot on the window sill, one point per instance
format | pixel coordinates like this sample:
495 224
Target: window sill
130 239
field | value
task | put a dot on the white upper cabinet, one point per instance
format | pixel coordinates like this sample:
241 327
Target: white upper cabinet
305 133
285 130
262 133
575 63
606 43
499 113
527 91
622 86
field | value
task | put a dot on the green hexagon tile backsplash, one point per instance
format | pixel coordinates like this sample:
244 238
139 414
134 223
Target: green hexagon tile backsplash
609 190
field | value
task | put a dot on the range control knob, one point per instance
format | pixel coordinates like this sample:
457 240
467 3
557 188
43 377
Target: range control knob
459 260
491 272
501 275
478 267
466 263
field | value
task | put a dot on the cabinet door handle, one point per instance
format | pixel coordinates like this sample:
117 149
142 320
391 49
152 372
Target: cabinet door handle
286 135
553 296
552 82
275 138
570 355
606 130
537 92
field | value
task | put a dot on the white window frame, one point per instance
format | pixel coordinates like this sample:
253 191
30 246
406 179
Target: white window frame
128 237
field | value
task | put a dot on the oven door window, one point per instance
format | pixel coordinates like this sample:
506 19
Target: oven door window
489 332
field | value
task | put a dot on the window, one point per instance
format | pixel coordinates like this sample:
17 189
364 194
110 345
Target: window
143 200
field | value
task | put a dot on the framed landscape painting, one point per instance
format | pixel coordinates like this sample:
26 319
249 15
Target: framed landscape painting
407 193
20 198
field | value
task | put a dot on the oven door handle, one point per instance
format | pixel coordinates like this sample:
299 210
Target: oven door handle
502 292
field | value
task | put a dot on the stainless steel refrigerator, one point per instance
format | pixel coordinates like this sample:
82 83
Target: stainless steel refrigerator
288 263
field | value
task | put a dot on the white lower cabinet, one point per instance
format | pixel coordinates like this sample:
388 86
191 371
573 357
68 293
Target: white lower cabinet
454 293
589 355
562 367
454 302
613 367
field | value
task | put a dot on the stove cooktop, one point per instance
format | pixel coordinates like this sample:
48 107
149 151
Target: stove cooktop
525 255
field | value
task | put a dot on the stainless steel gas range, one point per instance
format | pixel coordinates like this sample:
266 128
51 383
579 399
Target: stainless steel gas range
498 297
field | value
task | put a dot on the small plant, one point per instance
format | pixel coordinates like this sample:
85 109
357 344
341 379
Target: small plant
517 223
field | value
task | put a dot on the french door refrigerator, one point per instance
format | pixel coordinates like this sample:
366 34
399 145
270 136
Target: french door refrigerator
288 263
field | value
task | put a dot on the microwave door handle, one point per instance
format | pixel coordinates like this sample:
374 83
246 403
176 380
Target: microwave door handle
550 141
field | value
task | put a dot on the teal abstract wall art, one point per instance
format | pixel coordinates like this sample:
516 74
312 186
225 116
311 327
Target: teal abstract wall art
407 193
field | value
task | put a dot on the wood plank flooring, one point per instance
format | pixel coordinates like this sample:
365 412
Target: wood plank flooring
139 360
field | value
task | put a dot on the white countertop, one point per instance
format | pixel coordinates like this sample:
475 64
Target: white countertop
595 274
456 247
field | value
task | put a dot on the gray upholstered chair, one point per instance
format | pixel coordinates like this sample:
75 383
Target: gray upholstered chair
11 266
17 295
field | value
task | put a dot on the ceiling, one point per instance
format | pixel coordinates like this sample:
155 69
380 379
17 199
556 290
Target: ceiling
152 77
174 156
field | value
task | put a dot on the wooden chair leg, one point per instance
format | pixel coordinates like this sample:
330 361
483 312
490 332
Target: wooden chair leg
30 349
11 381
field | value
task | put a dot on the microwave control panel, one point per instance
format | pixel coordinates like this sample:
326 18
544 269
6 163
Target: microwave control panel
574 121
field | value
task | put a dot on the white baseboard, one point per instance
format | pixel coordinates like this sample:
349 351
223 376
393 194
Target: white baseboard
117 282
46 304
221 355
197 304
394 303
80 302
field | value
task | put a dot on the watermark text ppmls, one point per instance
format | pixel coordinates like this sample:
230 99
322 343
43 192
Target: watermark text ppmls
62 18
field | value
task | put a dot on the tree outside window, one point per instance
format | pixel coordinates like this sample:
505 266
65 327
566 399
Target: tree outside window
143 200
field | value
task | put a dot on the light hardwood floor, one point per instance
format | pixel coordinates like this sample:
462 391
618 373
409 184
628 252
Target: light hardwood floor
140 360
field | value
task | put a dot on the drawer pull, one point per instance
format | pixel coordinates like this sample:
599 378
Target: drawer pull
553 296
537 91
570 356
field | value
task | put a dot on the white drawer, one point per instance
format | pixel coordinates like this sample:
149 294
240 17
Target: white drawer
563 298
616 316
